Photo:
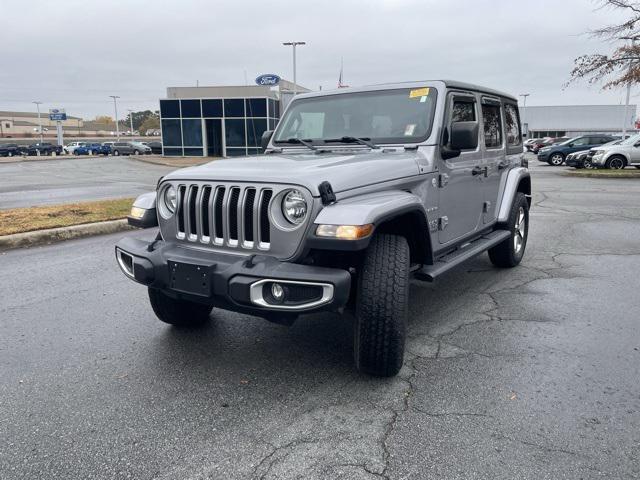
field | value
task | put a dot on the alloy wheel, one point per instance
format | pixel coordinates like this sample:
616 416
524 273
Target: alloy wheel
520 231
616 164
556 159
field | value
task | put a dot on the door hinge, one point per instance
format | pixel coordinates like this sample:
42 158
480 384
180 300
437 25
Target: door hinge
443 180
486 206
443 222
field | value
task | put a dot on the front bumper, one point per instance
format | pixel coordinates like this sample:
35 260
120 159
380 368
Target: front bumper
543 156
598 160
232 282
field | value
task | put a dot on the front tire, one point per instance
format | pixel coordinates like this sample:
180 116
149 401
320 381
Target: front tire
181 313
587 164
556 159
136 152
510 252
116 153
381 306
616 163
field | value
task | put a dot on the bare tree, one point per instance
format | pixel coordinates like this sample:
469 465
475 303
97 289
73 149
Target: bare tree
622 66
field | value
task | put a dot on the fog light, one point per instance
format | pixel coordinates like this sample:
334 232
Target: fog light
277 292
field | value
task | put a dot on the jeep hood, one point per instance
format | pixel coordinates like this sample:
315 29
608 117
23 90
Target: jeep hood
344 171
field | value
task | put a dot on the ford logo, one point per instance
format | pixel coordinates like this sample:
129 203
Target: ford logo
268 79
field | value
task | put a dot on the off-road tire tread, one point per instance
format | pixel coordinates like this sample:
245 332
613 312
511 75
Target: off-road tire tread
180 313
381 306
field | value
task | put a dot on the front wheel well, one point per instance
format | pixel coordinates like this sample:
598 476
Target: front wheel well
413 226
525 187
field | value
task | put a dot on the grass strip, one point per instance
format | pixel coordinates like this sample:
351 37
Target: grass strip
19 220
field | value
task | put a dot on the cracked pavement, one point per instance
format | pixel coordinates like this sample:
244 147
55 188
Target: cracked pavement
528 373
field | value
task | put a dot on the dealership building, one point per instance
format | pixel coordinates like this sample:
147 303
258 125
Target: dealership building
573 120
226 121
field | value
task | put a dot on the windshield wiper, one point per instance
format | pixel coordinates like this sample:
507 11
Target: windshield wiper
347 139
306 143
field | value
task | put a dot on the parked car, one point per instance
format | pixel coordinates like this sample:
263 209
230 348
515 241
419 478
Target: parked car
69 149
9 150
555 154
616 157
42 149
413 184
129 148
584 159
93 149
156 147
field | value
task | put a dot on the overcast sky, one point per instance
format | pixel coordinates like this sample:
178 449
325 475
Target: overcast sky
75 53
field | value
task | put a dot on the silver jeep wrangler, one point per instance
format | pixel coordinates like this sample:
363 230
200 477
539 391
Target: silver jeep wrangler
358 191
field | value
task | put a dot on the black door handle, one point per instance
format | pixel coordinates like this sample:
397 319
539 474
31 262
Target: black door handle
477 171
502 166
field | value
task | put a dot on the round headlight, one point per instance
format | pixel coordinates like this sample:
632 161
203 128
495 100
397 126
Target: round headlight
294 207
170 198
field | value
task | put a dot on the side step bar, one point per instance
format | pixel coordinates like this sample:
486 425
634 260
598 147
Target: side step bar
430 272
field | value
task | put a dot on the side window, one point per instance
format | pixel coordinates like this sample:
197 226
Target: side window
492 125
463 111
512 123
582 141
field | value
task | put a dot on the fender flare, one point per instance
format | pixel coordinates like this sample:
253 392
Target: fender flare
518 180
375 208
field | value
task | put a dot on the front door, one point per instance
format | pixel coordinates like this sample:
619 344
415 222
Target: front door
213 128
494 163
461 195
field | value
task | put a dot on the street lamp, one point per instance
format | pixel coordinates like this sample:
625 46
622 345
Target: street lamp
294 45
39 120
115 107
524 111
131 120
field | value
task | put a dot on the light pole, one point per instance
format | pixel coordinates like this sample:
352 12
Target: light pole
294 45
524 111
626 103
115 107
131 120
39 120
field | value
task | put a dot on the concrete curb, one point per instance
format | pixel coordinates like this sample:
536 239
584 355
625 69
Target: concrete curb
596 174
53 235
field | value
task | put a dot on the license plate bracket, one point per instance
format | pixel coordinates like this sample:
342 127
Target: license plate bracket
190 278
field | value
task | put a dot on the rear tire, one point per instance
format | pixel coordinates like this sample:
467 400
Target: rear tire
510 252
180 313
116 153
381 306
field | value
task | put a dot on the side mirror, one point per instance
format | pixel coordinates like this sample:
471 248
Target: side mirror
266 138
464 136
570 145
637 144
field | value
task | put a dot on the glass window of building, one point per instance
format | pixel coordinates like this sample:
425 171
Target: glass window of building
212 108
255 128
256 107
190 108
171 133
234 133
170 108
234 107
192 132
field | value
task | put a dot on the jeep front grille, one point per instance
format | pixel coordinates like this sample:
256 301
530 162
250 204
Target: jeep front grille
224 215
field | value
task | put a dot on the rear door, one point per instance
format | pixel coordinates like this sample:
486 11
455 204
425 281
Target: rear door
461 195
494 155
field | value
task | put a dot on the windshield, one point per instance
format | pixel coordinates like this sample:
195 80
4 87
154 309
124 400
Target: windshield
567 142
631 140
387 116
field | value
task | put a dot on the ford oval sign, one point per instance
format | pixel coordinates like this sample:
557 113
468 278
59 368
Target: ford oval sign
268 79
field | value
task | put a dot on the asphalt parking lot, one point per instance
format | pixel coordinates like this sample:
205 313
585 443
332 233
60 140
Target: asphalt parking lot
42 182
529 373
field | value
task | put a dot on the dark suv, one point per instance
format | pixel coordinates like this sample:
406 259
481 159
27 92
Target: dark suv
556 154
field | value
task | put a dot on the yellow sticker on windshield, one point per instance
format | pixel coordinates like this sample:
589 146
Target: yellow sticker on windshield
419 92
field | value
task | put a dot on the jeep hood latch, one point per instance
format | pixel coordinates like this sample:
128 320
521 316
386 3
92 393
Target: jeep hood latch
326 193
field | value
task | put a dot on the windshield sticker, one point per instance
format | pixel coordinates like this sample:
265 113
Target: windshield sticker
419 92
423 99
409 129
